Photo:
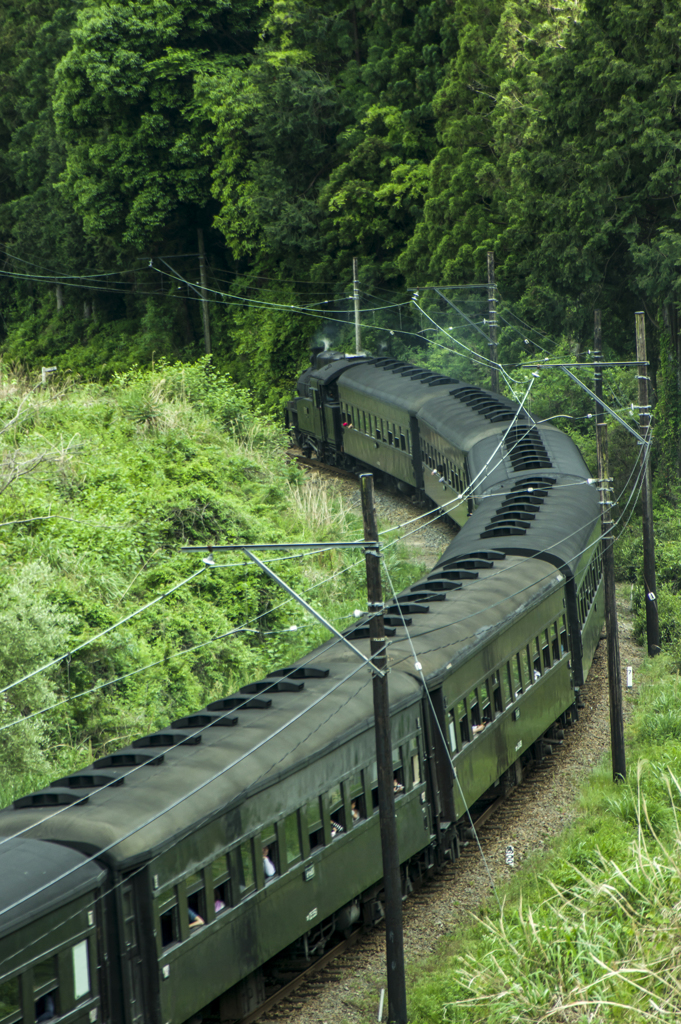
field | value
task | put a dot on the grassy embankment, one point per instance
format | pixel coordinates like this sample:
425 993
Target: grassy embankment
100 486
589 931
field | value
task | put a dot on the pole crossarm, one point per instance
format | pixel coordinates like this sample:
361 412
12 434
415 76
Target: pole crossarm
644 441
276 547
604 365
248 550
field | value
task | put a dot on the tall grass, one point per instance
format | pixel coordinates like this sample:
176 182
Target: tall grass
606 947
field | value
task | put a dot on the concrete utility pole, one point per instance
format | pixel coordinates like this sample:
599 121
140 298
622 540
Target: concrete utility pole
394 940
619 763
204 284
645 427
492 315
355 295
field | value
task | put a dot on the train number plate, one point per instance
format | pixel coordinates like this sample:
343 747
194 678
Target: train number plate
311 916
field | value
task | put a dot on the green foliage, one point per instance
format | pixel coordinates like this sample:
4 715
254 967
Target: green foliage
131 471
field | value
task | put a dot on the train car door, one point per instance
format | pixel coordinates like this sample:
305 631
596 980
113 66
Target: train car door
131 957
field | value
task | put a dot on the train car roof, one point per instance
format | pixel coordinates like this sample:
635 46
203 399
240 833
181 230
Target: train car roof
157 804
36 878
543 515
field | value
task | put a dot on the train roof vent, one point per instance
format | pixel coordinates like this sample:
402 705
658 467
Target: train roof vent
537 486
386 363
403 606
363 632
299 672
202 719
127 758
90 780
484 403
166 739
518 509
52 797
232 703
273 686
526 448
422 592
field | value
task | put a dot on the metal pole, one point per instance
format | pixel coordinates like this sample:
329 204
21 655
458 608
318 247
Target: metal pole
492 311
619 763
204 284
355 293
394 942
645 420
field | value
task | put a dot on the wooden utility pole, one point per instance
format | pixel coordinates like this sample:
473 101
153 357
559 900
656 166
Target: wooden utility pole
492 322
204 284
394 941
645 428
355 295
619 763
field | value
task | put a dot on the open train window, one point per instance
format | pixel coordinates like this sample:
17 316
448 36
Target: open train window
546 648
398 771
415 760
536 660
167 912
313 816
10 1005
555 645
373 785
452 730
46 990
462 715
336 811
355 787
243 857
403 442
292 834
196 900
564 648
270 856
222 884
485 702
509 687
495 682
474 707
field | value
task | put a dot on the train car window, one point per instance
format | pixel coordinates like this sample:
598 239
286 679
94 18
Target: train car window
403 442
167 911
379 429
10 1007
355 785
270 857
536 660
516 676
474 707
390 437
507 683
46 989
373 784
222 884
398 771
336 811
546 648
245 867
462 715
485 701
80 960
498 700
196 900
555 645
452 730
409 442
415 759
292 833
563 636
313 815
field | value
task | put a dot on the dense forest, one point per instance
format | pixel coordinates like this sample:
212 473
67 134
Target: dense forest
288 137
